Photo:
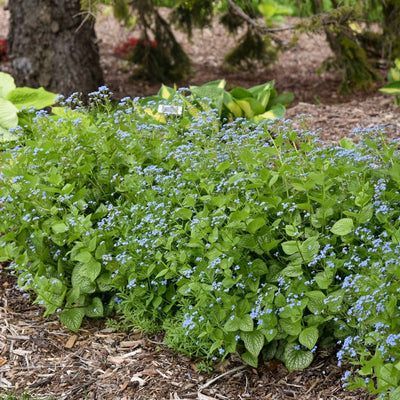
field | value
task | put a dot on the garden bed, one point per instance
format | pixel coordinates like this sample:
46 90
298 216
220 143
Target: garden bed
42 357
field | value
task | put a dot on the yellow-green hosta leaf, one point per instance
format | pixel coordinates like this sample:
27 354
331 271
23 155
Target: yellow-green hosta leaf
8 119
391 88
29 97
283 99
394 75
6 136
166 92
6 84
231 105
240 93
250 107
156 115
212 90
262 92
277 111
235 109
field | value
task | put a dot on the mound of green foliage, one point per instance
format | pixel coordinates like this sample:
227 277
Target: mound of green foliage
229 235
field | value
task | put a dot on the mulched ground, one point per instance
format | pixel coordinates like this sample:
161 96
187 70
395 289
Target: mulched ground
39 356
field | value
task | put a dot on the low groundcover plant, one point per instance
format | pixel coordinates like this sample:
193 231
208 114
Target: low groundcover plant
229 236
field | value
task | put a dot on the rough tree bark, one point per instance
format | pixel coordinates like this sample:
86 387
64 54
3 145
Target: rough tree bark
351 57
391 28
52 45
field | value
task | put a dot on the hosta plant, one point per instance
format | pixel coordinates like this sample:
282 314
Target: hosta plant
393 87
14 100
256 103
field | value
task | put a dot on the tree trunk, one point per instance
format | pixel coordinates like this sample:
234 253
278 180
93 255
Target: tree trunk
351 58
53 46
391 28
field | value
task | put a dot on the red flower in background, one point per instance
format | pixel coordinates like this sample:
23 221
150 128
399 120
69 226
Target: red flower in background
3 50
127 47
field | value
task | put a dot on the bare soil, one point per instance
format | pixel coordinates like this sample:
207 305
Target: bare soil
39 356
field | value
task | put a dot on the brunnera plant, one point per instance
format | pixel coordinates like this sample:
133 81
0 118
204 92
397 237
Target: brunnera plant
230 236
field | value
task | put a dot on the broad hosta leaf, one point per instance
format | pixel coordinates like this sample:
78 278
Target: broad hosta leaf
232 106
253 341
28 97
6 84
296 359
342 227
8 115
250 106
262 92
283 98
240 93
309 337
277 111
212 90
72 318
391 88
166 92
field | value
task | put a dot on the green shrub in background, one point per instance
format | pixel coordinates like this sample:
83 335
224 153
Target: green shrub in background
230 236
393 87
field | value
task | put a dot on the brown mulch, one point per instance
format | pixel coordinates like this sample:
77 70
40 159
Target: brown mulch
40 356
